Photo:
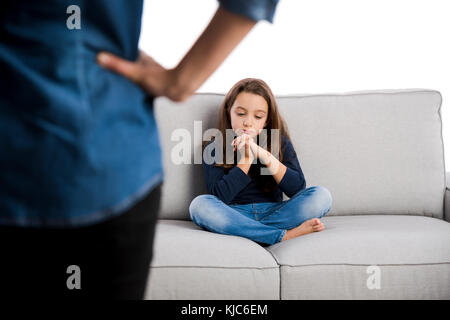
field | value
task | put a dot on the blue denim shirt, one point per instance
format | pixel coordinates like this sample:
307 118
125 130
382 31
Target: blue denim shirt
78 144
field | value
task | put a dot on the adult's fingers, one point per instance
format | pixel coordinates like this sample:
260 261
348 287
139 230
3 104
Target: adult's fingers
121 66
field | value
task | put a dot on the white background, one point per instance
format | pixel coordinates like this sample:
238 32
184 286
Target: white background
319 46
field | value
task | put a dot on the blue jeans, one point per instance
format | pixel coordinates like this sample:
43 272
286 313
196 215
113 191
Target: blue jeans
265 222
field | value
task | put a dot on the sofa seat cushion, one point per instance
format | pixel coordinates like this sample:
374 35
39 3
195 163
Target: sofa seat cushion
366 257
191 263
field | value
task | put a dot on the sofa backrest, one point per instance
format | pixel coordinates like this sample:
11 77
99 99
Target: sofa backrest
377 152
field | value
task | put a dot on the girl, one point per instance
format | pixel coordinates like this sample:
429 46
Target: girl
241 200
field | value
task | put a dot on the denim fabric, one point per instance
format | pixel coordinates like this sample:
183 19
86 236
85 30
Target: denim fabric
265 222
79 143
253 9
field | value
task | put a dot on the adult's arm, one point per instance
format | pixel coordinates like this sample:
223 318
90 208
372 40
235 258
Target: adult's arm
224 32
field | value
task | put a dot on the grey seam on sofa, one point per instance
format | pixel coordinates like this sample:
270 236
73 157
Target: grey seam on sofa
364 264
304 265
279 269
216 267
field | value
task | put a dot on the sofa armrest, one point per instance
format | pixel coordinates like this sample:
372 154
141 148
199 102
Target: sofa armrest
447 199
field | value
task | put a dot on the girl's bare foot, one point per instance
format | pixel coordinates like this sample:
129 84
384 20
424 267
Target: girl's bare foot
309 226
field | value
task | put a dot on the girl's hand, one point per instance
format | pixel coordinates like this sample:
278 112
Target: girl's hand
238 140
260 153
243 144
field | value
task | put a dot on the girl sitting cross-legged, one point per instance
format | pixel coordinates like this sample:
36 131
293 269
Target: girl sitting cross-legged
244 202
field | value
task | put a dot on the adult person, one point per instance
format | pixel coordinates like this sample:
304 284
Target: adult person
80 160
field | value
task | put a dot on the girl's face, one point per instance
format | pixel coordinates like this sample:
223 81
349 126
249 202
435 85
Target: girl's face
248 114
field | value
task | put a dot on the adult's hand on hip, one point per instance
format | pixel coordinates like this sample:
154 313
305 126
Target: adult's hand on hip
223 33
145 72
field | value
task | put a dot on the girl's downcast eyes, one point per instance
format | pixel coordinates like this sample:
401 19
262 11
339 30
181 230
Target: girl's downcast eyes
241 114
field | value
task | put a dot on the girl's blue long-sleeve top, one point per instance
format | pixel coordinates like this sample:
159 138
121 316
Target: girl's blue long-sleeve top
236 187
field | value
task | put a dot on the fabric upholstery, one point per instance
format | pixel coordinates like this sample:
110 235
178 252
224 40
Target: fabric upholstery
378 152
190 263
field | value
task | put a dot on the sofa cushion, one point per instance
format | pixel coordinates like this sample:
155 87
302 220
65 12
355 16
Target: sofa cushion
378 152
411 253
190 263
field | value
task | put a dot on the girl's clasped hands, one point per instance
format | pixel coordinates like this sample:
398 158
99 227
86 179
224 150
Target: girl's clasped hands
248 149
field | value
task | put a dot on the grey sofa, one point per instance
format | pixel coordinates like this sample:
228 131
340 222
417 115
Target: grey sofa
387 236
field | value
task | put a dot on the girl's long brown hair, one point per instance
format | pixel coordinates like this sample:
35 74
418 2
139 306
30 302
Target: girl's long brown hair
274 121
